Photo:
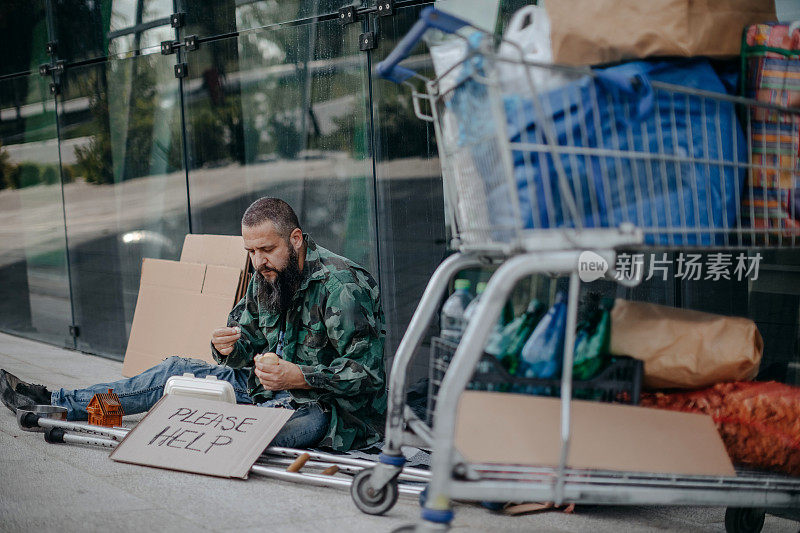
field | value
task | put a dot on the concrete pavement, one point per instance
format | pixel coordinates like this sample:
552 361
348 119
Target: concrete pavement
47 487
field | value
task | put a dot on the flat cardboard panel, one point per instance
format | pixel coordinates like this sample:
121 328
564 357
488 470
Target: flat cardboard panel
181 303
222 281
173 316
181 276
221 250
202 436
168 322
525 430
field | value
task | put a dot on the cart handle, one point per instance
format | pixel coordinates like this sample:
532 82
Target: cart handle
429 18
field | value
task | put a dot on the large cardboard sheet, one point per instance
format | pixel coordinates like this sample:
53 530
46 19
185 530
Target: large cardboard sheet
178 307
525 430
220 250
202 436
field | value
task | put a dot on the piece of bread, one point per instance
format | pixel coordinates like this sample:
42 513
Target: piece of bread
268 358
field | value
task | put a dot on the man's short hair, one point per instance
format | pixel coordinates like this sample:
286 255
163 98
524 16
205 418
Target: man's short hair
276 211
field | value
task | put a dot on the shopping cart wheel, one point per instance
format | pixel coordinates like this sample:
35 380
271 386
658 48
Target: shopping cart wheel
373 501
744 520
408 528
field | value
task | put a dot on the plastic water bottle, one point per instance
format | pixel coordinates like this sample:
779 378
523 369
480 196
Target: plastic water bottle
453 311
484 366
473 305
517 334
542 354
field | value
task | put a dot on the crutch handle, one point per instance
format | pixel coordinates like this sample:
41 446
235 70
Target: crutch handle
429 18
54 435
29 420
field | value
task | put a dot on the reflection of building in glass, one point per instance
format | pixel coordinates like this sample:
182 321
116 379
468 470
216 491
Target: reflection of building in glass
127 158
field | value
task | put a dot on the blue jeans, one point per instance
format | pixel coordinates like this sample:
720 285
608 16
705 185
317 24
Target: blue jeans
138 394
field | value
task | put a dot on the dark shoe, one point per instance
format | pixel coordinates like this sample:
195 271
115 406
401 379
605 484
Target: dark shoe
37 393
14 398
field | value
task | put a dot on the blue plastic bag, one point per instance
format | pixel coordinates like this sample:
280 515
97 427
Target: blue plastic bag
611 188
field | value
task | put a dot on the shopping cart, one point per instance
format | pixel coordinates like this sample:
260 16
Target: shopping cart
609 160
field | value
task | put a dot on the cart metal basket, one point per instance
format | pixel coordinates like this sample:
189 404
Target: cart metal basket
607 160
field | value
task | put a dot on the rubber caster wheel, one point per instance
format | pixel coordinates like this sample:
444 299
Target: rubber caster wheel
408 528
370 501
744 520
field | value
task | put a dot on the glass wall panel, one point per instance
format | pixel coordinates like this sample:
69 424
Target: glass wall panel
208 18
23 36
126 199
86 29
34 286
409 182
288 119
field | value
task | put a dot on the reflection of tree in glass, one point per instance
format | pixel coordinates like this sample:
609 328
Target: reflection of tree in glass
95 161
25 174
7 169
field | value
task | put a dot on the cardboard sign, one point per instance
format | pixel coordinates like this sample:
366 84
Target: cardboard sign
201 436
526 430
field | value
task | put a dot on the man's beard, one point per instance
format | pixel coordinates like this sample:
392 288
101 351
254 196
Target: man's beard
276 295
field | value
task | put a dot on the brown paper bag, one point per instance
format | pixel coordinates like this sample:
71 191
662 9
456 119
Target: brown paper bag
588 32
683 348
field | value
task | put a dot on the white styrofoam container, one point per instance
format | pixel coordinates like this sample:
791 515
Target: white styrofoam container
209 388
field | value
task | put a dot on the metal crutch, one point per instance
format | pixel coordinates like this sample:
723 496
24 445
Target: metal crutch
56 434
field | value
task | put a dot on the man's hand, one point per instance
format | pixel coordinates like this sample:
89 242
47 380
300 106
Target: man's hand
223 339
282 375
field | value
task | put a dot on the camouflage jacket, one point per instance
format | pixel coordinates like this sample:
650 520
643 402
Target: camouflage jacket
334 333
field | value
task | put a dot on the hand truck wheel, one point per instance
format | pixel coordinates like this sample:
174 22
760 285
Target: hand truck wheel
371 501
744 520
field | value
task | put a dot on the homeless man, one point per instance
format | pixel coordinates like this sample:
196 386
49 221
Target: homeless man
321 314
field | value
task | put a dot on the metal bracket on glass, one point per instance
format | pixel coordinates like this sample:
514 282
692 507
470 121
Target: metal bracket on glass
176 20
181 69
170 47
348 15
74 331
384 8
367 41
58 68
191 43
51 48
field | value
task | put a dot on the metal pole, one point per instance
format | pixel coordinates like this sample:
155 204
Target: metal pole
566 383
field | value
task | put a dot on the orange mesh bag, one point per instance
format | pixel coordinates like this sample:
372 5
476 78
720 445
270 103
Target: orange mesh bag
759 422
